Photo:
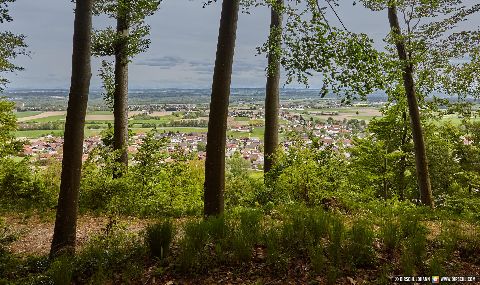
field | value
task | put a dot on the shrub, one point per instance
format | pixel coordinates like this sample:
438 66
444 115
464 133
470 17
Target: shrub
359 248
245 235
192 247
116 255
390 234
158 238
414 244
336 238
275 258
21 187
318 260
61 270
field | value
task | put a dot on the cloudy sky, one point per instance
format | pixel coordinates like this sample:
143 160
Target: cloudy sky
182 52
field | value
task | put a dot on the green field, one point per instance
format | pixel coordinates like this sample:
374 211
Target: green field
26 114
171 129
37 133
49 119
343 113
100 113
256 133
455 120
241 119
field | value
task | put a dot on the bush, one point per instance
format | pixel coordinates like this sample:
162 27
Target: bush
158 238
61 270
192 255
116 255
170 188
390 234
20 186
414 244
359 248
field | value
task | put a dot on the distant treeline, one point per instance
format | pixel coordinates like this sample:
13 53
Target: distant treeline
57 125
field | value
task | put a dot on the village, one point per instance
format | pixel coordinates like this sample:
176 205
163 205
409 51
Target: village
243 136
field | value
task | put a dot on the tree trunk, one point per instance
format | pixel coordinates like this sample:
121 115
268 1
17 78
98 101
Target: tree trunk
217 124
403 159
120 103
423 177
64 237
272 96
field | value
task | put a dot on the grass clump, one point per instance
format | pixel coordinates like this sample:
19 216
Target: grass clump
106 255
414 250
192 246
359 249
390 234
158 238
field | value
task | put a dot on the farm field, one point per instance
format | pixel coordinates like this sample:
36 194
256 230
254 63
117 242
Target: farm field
96 121
26 114
348 113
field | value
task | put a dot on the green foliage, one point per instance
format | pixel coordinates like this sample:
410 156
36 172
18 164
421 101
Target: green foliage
116 251
192 256
158 238
20 186
414 245
306 174
240 187
226 239
157 183
11 45
347 62
107 74
359 249
105 42
390 234
8 125
61 270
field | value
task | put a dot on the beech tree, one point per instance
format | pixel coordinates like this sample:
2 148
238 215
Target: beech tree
64 235
128 39
217 125
422 58
272 92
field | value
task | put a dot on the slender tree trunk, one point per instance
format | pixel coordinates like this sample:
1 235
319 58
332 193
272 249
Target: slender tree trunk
385 185
64 237
403 159
423 177
120 103
272 98
217 125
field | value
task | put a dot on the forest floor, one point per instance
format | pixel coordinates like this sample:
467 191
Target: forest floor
34 233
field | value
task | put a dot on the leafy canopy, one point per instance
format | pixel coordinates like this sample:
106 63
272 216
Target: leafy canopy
11 45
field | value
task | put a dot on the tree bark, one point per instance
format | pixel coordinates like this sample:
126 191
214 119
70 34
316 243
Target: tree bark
217 125
423 177
120 100
403 159
64 235
272 94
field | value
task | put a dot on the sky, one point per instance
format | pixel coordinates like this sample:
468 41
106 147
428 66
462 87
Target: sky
182 51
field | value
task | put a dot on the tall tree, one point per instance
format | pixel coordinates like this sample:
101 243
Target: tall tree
272 92
217 125
425 44
120 97
64 235
124 42
423 176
